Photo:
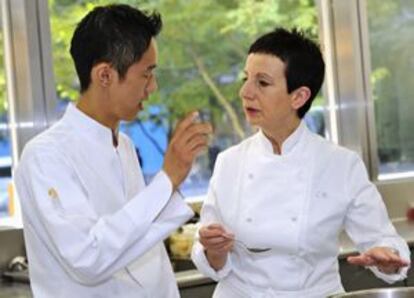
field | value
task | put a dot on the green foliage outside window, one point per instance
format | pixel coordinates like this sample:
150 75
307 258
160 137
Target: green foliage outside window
391 42
202 49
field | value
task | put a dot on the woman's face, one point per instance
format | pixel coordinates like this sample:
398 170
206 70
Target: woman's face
266 102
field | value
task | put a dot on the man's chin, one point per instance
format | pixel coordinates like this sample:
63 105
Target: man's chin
130 117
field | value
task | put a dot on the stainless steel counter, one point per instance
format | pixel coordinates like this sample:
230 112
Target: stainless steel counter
14 290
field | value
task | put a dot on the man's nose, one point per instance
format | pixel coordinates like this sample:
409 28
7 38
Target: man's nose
152 85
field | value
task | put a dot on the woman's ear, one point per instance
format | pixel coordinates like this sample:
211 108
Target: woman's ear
300 97
102 75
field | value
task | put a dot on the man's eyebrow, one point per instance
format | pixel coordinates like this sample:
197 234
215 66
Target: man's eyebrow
151 67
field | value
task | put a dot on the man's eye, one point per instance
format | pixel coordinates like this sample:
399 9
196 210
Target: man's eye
244 79
148 76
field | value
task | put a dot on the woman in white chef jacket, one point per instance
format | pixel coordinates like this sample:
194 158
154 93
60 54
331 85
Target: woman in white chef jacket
278 200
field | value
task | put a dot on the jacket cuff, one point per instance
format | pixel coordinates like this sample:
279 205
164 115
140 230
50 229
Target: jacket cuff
402 272
200 260
390 278
154 197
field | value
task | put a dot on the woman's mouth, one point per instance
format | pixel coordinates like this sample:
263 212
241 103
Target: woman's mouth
251 111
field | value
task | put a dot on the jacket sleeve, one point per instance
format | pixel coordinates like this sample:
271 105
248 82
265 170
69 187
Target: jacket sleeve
209 214
92 248
367 222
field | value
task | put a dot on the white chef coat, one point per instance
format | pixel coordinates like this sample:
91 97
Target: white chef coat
296 203
92 228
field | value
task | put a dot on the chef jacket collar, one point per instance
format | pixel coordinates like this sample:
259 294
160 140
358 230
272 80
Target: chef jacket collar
88 125
289 144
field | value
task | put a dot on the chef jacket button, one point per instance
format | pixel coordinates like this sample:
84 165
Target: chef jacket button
249 219
323 194
294 218
251 176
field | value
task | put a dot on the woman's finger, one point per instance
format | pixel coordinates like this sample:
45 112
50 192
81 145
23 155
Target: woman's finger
361 260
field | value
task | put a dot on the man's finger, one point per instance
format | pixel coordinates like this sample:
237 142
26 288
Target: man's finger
184 123
194 130
197 142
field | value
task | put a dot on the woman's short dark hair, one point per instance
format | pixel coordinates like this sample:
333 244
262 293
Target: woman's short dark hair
117 34
304 65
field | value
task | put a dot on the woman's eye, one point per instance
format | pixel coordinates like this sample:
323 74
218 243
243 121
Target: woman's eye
263 83
244 79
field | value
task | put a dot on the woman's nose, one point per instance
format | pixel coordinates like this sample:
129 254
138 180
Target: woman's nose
246 91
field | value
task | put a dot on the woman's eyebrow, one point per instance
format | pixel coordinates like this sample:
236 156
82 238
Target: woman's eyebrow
265 75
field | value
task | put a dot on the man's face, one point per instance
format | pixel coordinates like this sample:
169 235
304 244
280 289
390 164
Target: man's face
127 94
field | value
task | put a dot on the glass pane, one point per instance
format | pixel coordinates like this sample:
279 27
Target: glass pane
392 64
6 196
202 50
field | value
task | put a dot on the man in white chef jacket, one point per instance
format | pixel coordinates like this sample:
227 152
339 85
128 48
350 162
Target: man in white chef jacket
92 227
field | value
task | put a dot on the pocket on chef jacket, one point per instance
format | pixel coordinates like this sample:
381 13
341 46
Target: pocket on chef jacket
328 205
152 268
325 217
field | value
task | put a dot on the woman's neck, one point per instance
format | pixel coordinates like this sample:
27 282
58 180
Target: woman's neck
278 136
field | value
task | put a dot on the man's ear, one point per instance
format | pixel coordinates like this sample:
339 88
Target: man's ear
102 75
300 96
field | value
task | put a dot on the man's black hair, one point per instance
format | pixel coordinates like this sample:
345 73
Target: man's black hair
117 34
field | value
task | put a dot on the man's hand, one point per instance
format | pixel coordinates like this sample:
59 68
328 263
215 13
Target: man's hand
385 259
217 243
188 140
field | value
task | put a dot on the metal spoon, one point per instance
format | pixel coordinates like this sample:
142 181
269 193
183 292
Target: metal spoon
244 246
210 209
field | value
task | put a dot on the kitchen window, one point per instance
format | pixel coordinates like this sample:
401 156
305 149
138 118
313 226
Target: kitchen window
202 50
7 202
392 64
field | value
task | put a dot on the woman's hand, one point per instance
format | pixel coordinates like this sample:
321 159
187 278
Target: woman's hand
387 260
217 243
